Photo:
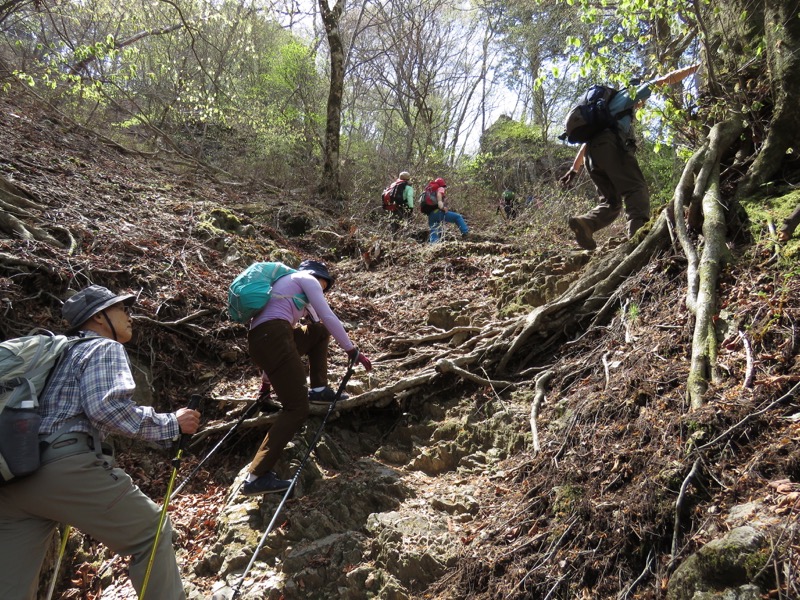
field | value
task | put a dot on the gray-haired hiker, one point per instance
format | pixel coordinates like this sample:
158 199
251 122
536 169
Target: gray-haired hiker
277 344
398 199
90 396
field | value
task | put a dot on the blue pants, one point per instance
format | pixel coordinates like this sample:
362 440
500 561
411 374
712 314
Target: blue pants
437 219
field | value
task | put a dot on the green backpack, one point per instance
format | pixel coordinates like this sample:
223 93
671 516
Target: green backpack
252 288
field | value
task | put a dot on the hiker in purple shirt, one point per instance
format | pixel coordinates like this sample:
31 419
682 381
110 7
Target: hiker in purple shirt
276 343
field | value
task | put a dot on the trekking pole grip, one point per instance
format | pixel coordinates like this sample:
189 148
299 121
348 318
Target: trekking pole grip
194 404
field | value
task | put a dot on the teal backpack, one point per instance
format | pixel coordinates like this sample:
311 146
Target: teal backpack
252 288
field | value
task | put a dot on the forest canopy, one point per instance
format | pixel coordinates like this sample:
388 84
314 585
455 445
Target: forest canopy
238 85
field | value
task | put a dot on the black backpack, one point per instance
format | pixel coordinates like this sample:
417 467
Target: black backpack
590 116
392 196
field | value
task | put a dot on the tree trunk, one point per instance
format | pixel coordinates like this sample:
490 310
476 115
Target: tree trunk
782 41
330 185
704 339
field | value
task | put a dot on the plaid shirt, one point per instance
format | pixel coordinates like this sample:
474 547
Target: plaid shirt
94 384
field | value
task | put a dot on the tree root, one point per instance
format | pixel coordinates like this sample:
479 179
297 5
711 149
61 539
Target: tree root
679 508
590 296
541 390
224 427
13 208
703 277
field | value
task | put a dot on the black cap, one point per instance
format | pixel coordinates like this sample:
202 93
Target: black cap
90 301
318 269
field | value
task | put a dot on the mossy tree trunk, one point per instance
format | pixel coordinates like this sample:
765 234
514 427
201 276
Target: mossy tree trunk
331 17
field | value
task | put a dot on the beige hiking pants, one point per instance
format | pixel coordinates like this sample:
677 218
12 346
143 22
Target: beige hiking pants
88 493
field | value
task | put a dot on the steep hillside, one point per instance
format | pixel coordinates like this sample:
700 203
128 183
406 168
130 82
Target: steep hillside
436 489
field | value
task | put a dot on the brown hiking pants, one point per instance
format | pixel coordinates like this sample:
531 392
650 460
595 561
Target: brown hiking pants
277 349
619 181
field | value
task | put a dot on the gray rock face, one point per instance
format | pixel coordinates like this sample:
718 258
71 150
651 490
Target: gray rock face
723 569
363 529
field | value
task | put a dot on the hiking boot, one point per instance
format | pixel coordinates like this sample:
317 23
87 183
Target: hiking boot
465 236
324 397
266 484
583 235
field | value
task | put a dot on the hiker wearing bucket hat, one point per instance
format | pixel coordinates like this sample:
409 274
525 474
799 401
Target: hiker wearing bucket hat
277 343
93 302
90 396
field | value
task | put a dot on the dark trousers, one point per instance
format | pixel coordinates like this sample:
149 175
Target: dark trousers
619 181
400 218
277 349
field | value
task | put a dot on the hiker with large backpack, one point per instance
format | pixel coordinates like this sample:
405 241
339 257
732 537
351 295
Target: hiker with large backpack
398 200
276 343
601 123
88 396
433 203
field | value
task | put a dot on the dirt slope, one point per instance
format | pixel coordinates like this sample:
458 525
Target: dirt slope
436 494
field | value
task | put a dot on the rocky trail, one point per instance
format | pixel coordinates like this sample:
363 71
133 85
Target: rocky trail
429 482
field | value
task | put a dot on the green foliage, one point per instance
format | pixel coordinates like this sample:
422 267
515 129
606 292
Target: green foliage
514 155
507 133
214 77
662 169
633 312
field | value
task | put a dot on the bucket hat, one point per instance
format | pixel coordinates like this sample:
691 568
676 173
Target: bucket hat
318 269
405 176
90 301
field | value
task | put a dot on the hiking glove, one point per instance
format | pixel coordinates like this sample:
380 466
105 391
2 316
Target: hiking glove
567 179
359 357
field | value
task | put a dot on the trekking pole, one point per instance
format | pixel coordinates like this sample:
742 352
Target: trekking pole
194 404
61 549
250 410
311 446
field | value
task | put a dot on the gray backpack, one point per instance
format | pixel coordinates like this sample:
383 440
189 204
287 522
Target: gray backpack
25 364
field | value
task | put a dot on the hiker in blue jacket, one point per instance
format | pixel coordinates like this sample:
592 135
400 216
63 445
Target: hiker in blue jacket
611 163
89 396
